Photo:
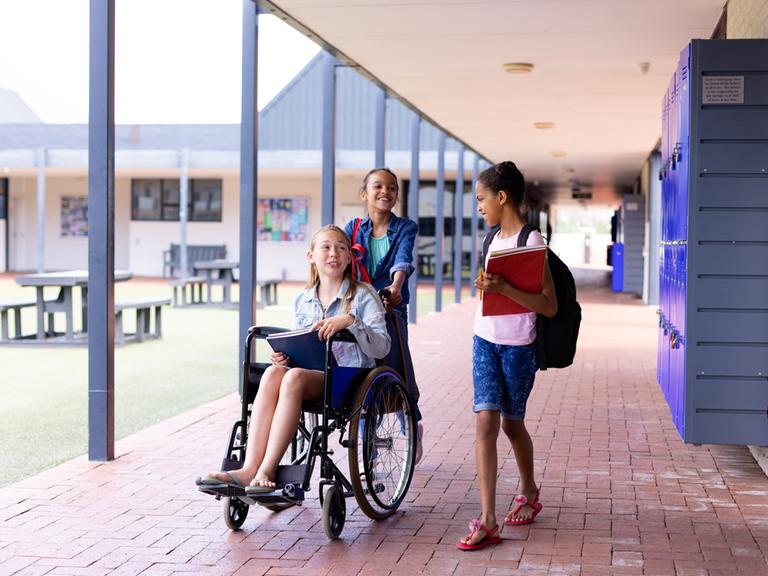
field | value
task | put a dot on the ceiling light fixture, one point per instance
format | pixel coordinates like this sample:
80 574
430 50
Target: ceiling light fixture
544 125
558 153
518 67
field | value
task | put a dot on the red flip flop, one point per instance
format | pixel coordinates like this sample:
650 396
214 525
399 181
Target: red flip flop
491 536
520 501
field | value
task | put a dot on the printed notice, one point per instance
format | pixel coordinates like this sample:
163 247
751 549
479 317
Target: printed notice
723 90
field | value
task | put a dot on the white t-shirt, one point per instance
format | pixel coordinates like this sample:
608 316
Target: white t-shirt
508 329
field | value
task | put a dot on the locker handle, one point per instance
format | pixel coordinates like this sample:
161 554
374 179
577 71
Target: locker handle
677 153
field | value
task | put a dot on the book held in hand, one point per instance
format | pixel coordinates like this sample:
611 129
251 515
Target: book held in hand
521 267
303 348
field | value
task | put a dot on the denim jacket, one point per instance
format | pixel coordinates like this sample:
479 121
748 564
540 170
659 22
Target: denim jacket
399 258
369 327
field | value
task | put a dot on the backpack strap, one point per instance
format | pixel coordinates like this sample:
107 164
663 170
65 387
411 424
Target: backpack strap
358 253
522 238
487 242
525 231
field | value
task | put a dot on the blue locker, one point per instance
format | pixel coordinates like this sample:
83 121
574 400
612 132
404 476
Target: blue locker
617 259
712 363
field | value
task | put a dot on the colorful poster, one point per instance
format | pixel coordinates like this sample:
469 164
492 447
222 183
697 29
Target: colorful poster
74 216
283 220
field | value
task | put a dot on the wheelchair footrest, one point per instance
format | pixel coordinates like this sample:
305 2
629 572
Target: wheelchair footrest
221 490
290 495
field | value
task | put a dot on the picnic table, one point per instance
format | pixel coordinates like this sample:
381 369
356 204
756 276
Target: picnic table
66 282
218 272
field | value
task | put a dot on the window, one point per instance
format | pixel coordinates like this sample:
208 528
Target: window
205 201
158 199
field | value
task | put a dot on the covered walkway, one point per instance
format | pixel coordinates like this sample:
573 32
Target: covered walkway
621 493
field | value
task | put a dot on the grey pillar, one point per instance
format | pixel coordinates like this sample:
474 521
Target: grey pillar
458 224
413 212
101 232
329 139
380 133
473 256
183 212
249 134
439 222
40 260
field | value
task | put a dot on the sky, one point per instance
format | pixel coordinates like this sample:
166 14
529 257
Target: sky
176 61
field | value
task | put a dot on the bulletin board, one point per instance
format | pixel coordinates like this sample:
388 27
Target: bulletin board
74 216
283 220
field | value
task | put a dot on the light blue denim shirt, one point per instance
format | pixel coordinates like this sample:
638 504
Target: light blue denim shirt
369 327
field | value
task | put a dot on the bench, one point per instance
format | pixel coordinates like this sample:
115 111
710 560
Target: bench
143 312
195 253
268 290
15 307
190 282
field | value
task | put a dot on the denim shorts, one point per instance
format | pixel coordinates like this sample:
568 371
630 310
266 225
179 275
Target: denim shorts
503 377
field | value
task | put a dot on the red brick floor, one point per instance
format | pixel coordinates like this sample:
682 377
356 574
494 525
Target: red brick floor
621 493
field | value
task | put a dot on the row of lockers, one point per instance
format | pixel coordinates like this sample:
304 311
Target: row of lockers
713 293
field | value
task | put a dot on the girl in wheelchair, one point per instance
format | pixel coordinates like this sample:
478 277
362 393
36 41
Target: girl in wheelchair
332 301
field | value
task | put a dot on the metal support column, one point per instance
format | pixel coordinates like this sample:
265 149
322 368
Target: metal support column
101 232
473 256
183 212
380 133
413 212
458 224
249 135
439 222
40 260
329 139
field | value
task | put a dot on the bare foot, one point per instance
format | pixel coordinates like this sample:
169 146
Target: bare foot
523 511
265 482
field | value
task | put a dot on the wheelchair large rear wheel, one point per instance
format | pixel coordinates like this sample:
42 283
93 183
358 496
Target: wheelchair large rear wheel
382 443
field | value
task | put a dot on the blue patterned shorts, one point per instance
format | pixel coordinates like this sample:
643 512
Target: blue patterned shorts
503 377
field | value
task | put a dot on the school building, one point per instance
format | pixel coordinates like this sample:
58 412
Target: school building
677 239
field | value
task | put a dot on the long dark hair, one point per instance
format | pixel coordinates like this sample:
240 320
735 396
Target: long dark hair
504 176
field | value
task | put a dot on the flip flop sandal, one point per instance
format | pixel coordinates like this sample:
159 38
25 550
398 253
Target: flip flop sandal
211 480
520 501
259 489
491 536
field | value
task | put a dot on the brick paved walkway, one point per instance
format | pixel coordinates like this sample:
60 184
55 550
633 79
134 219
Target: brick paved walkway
621 493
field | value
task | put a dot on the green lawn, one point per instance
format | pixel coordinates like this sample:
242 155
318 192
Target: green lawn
43 411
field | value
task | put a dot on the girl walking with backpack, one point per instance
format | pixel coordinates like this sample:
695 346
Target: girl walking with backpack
504 361
382 246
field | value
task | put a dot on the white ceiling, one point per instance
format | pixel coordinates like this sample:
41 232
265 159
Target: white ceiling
445 57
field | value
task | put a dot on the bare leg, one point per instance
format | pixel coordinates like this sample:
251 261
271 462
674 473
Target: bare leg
298 385
262 414
523 449
487 432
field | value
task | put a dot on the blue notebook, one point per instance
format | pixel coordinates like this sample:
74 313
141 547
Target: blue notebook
303 348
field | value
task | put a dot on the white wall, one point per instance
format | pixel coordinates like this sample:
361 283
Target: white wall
22 221
139 244
61 253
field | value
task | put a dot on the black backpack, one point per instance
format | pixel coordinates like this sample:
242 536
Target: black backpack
555 337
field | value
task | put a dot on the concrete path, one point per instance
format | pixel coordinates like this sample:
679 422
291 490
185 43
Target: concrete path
621 493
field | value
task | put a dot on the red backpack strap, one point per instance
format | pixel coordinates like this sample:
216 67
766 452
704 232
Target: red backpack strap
358 253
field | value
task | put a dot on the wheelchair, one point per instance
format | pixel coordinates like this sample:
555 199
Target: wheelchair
373 413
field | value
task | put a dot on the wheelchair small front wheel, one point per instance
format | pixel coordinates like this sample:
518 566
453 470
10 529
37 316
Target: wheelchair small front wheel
235 512
334 512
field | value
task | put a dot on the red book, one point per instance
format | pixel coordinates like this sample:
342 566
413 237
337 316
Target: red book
523 268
